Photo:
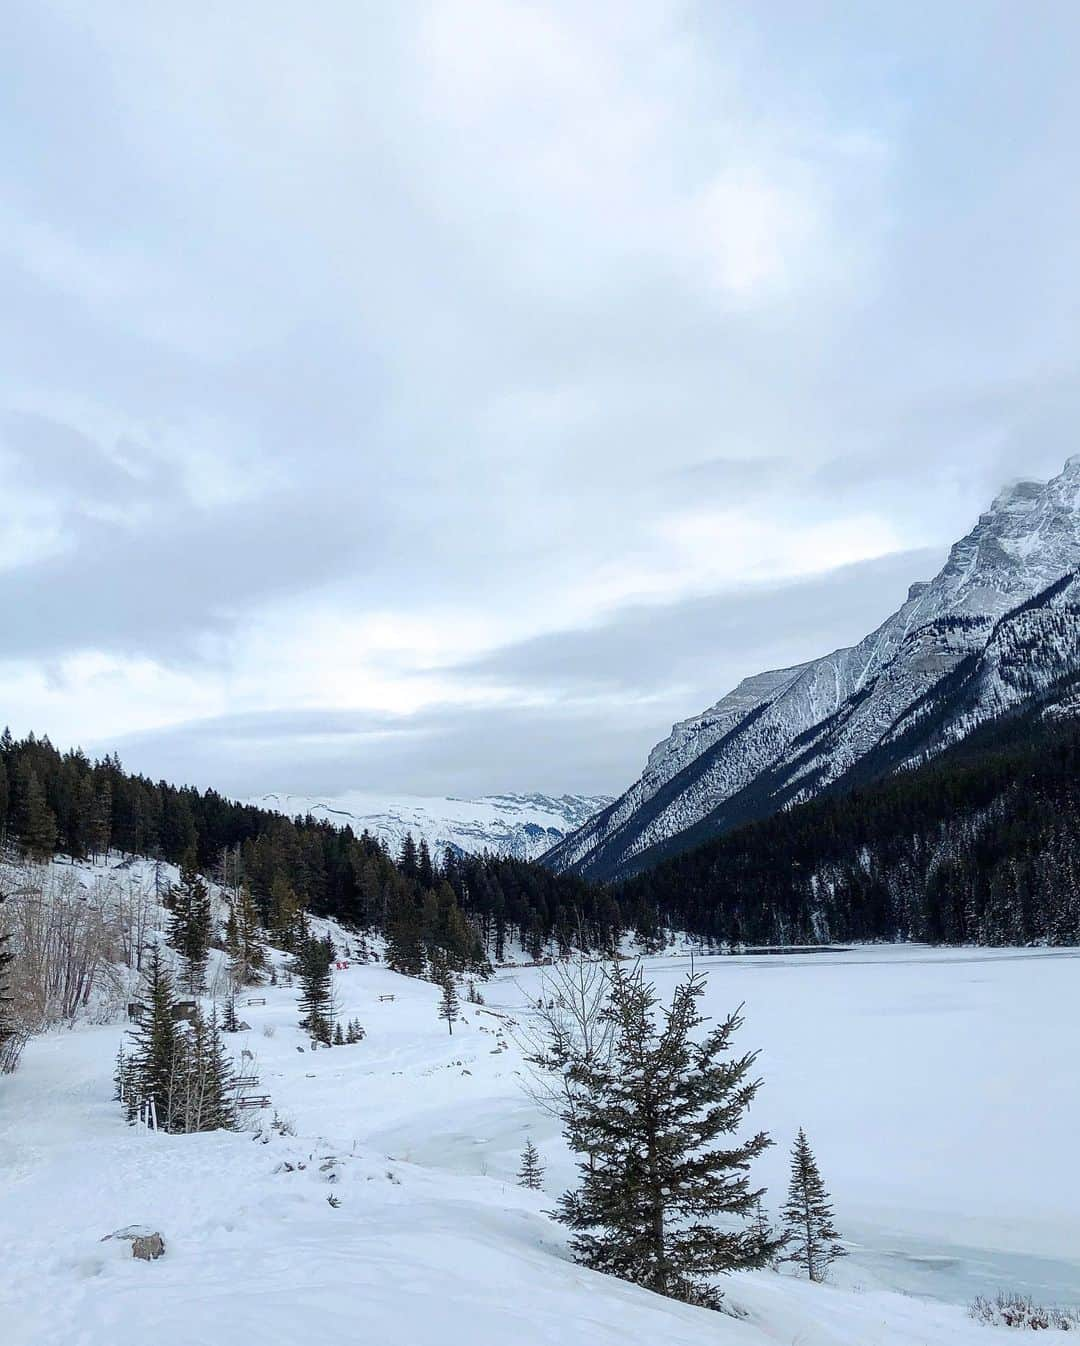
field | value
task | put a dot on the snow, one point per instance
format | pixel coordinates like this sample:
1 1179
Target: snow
519 825
937 1089
850 701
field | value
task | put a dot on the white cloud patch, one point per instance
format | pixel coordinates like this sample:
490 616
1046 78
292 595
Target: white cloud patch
348 346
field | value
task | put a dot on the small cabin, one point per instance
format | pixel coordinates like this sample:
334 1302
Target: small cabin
185 1009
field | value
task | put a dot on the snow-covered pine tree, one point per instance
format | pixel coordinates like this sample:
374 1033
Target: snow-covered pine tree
449 1006
339 1036
190 928
647 1121
316 1001
158 1047
808 1217
531 1172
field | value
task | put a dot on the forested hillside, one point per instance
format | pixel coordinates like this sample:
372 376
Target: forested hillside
468 907
979 846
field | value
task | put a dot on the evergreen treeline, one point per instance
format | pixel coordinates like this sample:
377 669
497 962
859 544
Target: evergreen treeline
458 911
980 845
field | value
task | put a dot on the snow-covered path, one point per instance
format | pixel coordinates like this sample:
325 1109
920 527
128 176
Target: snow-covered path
435 1244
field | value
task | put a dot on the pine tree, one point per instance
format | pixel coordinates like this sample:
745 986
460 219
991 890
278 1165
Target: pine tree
7 1026
647 1121
449 1007
286 913
247 957
808 1216
37 822
100 820
229 1021
209 1085
316 1001
766 1237
156 1064
339 1036
531 1172
190 928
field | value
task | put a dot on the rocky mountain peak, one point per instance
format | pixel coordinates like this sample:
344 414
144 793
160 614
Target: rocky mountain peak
783 735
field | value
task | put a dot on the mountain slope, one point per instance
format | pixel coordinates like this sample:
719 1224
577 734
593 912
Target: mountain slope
521 826
977 846
995 629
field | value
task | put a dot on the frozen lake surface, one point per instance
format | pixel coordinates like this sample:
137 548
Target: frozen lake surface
940 1090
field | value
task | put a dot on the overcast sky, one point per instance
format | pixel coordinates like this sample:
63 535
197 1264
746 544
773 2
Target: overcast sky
447 397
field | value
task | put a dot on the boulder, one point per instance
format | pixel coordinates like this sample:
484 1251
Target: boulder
146 1244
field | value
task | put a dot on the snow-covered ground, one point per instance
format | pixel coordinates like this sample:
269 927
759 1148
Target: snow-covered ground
939 1090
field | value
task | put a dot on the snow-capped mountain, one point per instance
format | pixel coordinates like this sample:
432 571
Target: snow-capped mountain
997 628
523 826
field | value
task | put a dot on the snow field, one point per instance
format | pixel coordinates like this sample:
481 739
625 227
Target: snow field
418 1133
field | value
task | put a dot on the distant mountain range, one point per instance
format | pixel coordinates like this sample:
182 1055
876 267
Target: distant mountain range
518 825
996 631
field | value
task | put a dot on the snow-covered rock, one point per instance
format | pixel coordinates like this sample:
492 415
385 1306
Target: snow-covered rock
997 628
518 825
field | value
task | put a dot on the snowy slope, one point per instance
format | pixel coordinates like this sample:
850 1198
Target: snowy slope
948 659
417 1135
522 826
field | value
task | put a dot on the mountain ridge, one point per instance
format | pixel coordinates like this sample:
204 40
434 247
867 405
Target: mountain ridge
519 826
801 728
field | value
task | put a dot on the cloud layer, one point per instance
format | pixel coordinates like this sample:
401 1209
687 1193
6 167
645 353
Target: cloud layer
445 398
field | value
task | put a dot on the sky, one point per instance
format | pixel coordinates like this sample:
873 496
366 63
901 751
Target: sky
444 398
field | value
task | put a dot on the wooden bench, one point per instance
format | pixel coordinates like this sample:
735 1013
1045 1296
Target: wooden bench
254 1101
386 997
246 1081
255 1000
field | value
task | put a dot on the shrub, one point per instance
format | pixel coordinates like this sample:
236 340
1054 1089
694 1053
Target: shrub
1013 1310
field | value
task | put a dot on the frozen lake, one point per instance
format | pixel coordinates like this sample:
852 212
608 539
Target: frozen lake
940 1090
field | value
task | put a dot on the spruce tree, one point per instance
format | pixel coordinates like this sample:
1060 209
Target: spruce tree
449 1008
316 1001
229 1021
247 957
190 928
339 1036
157 1055
531 1172
808 1216
648 1121
766 1237
37 822
208 1102
7 1026
100 820
286 913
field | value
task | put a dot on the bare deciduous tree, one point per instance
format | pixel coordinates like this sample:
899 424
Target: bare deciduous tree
564 1027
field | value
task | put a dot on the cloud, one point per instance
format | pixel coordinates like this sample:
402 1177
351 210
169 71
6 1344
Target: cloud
437 360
